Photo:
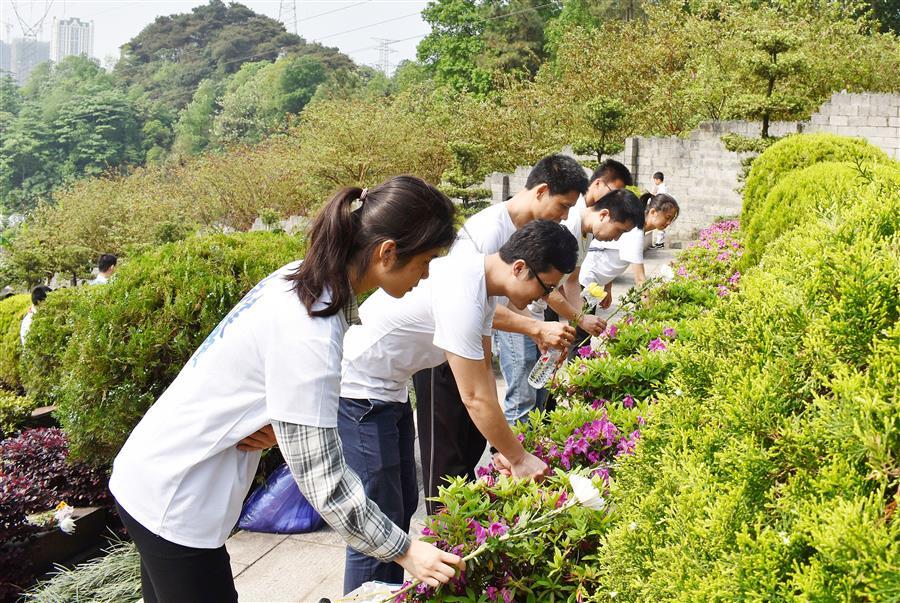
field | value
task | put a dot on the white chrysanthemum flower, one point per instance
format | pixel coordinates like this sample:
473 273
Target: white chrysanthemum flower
586 493
67 525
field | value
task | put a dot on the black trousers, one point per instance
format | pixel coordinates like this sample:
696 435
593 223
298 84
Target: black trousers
172 573
450 444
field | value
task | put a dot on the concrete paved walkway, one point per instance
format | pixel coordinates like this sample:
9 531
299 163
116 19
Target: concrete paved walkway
309 567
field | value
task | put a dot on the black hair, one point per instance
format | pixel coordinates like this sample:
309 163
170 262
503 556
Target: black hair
39 294
543 245
560 173
659 176
106 261
612 170
660 202
405 209
623 206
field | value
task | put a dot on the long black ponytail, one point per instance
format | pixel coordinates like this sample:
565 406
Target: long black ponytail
405 209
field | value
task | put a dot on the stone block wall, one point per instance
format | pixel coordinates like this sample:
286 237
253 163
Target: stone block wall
875 117
704 176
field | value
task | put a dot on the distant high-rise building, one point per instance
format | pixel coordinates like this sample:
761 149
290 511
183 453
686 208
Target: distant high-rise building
5 65
25 55
71 37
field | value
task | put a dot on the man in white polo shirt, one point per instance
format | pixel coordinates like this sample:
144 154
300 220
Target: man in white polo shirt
447 317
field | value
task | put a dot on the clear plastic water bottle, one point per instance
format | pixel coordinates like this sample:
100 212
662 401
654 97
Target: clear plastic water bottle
544 368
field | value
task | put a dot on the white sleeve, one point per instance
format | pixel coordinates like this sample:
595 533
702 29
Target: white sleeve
303 374
631 246
459 321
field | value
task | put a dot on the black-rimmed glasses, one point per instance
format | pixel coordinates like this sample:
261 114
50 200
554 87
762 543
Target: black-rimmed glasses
547 289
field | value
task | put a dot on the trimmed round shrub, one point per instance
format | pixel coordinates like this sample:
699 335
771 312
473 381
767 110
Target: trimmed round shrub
125 342
12 310
804 196
796 152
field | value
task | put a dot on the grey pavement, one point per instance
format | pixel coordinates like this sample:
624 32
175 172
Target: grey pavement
309 567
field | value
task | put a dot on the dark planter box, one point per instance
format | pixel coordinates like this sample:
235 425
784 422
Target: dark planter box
55 546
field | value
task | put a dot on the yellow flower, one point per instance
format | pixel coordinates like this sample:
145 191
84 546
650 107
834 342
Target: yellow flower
597 291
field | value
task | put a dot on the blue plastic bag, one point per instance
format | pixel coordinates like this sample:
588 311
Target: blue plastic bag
278 507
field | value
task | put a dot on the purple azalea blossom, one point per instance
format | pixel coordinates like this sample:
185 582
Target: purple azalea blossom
426 531
497 529
722 291
735 278
507 595
612 331
641 420
585 351
562 499
480 533
669 333
492 592
657 345
628 400
682 271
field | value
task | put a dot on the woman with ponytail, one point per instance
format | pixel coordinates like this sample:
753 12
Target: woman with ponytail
609 259
271 370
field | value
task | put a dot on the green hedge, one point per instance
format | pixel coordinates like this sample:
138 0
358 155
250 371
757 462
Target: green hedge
806 195
12 310
103 354
768 469
796 152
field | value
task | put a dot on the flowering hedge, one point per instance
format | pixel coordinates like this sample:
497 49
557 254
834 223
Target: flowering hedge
752 448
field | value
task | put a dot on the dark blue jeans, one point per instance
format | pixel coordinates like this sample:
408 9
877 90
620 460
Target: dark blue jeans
378 439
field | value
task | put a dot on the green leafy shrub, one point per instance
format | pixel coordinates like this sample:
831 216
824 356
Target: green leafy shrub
803 197
796 152
128 340
41 363
12 310
768 467
14 412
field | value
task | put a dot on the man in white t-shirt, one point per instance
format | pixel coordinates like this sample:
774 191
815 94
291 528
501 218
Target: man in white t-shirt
551 190
607 260
106 267
38 295
520 397
447 317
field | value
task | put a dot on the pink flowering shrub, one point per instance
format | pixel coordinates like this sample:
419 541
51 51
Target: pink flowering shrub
553 563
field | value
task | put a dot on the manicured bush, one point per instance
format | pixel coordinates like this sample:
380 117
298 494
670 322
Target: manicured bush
107 357
767 468
803 197
796 152
15 410
12 310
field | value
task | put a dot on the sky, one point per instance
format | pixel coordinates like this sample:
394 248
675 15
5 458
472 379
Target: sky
353 26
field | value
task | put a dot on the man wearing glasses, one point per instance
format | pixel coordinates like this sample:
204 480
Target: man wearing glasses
552 188
448 318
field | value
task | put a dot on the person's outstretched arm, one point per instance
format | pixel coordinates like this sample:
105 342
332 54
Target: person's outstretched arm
317 463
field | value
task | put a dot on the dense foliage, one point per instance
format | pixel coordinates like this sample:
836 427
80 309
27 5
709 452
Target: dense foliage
104 354
763 465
